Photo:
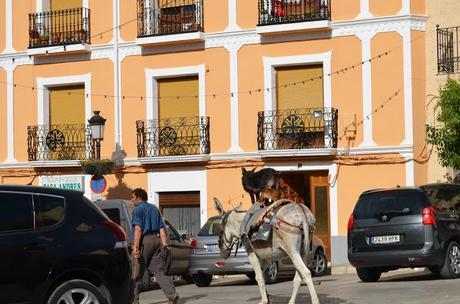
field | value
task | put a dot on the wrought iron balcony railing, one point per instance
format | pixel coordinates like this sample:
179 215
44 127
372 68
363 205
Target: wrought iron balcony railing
297 129
287 11
173 136
448 53
63 27
162 17
59 142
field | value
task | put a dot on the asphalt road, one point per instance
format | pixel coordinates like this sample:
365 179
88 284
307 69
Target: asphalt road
394 287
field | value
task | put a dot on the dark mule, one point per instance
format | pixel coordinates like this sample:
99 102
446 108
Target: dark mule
254 182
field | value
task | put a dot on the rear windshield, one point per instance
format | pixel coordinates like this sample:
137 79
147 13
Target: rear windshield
212 227
392 202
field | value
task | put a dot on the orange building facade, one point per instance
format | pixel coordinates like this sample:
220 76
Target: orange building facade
329 92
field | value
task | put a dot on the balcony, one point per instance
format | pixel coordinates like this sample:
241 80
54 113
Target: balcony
59 31
281 16
448 53
166 22
297 129
59 142
181 137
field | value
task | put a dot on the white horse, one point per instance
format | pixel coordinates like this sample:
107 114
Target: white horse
291 239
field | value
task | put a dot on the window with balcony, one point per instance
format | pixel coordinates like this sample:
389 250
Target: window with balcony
273 12
163 17
448 54
66 22
300 120
178 130
65 136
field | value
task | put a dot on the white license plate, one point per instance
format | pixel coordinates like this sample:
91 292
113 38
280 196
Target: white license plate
212 248
385 239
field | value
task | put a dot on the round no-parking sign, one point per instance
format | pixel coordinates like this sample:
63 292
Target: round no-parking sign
98 184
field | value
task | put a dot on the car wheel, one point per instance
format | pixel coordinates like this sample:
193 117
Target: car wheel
451 267
271 272
202 280
319 264
77 292
369 274
251 276
188 278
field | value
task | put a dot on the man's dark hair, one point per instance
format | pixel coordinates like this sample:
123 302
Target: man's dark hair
139 192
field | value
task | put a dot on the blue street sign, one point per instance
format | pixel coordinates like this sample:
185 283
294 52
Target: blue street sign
98 184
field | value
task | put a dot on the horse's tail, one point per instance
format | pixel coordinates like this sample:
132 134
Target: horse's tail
308 225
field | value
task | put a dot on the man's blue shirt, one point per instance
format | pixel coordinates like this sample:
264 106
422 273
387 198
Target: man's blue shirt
147 217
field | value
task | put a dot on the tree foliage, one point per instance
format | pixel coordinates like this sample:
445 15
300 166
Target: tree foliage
446 136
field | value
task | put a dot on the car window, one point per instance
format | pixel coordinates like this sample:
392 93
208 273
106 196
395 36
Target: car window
445 199
16 212
113 214
394 202
49 210
212 227
171 234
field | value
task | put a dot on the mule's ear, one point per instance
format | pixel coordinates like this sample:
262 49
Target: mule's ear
238 208
243 169
218 206
253 169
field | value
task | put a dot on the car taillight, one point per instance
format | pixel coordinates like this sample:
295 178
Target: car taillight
194 244
351 220
428 216
119 233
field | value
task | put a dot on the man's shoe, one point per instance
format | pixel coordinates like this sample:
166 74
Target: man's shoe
173 301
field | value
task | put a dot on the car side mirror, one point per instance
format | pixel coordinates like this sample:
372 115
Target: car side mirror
184 237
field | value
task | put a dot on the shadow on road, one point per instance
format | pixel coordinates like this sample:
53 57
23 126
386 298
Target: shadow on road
182 300
304 299
418 276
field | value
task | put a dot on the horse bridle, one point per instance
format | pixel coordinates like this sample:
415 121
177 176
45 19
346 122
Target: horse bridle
233 240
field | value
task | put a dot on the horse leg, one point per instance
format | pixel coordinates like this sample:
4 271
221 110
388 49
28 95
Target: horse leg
306 275
296 285
254 260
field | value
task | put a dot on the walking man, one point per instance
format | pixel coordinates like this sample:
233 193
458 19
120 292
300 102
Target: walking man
150 239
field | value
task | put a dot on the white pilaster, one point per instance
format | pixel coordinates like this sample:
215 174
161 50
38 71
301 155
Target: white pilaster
410 179
366 39
234 99
232 24
365 12
405 10
116 21
407 64
10 114
9 27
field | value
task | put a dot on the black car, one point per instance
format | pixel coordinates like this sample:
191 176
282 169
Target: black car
57 247
406 227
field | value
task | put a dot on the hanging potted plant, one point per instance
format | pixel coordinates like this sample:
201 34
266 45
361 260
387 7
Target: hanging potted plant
97 168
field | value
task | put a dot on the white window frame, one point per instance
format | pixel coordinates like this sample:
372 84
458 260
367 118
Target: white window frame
270 65
45 5
153 75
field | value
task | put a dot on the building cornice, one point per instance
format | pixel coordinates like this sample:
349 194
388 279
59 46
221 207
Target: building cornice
232 38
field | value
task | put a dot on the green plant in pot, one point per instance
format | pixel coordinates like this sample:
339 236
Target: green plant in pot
97 168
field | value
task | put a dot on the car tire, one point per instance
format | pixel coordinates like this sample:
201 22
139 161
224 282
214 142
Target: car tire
319 265
271 272
78 290
251 276
188 278
369 275
451 267
202 280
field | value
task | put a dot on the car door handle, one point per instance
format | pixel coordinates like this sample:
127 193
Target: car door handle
35 248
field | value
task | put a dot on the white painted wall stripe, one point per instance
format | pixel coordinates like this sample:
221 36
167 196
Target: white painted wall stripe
364 10
9 27
10 115
232 22
408 102
405 10
234 100
368 140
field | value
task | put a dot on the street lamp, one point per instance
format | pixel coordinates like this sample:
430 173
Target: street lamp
97 123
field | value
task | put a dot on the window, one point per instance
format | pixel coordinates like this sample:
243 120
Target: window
16 212
212 227
113 214
49 210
